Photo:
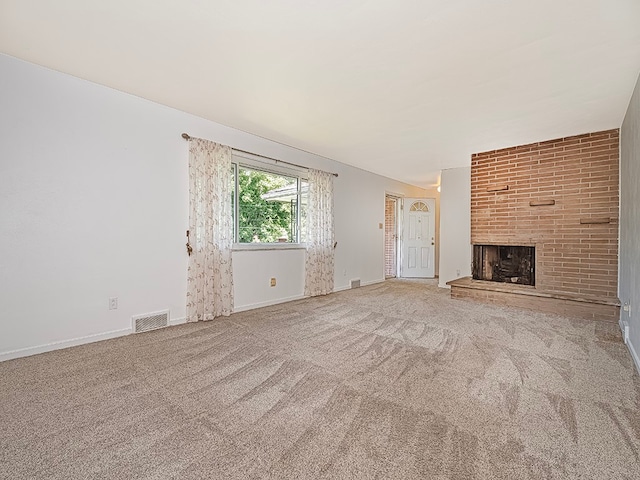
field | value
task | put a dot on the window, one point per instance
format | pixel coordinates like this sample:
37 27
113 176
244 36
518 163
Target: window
266 205
419 207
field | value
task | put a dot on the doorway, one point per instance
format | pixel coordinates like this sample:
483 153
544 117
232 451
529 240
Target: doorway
418 238
391 237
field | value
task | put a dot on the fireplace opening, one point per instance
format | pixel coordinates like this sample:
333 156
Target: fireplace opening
504 263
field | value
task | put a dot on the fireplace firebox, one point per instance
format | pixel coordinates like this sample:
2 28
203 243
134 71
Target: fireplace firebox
504 263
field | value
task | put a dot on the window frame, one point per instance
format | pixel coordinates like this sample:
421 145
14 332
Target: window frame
248 161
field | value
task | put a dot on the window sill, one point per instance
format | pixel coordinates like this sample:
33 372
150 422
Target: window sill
239 247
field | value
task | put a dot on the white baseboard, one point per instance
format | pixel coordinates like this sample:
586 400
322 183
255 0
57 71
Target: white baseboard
267 303
26 352
634 355
362 284
177 321
623 324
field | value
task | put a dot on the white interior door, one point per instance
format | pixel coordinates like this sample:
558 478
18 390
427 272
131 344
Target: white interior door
418 238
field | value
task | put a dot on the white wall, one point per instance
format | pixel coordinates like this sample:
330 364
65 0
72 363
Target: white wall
94 204
629 260
455 224
253 270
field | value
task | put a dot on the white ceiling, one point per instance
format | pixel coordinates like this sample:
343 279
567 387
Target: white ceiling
400 88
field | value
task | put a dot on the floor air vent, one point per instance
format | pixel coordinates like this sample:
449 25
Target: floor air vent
355 283
150 321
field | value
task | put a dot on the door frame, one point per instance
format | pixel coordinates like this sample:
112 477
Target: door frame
398 233
435 236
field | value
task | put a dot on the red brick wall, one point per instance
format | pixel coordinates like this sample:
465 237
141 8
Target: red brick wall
580 174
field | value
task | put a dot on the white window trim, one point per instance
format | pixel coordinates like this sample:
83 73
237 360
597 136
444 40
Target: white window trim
238 247
242 159
270 166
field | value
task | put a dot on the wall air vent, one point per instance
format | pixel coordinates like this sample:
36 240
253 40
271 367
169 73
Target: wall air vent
150 321
355 283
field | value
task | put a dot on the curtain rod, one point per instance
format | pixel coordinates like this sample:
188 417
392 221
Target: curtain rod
186 136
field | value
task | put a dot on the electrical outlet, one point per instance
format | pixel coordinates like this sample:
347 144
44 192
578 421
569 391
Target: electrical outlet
273 281
458 273
113 303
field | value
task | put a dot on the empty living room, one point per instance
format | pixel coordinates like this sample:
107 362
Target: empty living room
320 240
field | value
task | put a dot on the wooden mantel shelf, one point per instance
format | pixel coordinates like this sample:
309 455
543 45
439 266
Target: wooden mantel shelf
540 203
498 188
595 221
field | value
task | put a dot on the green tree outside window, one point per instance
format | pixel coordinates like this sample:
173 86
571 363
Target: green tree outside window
266 220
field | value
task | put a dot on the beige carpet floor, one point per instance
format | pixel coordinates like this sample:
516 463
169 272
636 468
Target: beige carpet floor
390 381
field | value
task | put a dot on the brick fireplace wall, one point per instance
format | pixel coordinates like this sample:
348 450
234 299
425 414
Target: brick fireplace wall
560 196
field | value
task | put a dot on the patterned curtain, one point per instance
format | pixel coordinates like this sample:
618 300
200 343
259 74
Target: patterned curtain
209 276
320 235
